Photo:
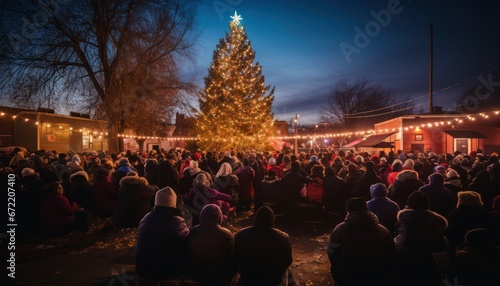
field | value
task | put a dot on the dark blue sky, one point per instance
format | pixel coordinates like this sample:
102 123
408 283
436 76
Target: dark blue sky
298 44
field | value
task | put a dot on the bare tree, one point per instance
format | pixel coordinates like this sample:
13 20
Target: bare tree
358 105
117 59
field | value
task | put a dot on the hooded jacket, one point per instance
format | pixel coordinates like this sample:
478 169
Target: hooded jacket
262 252
360 250
135 199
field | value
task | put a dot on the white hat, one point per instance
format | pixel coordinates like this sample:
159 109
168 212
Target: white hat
27 172
166 197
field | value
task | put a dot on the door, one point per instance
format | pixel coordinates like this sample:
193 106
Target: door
462 145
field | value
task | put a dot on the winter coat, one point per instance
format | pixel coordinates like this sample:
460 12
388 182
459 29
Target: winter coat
362 188
405 184
385 209
80 190
292 183
210 250
246 177
104 197
228 185
56 211
168 176
263 253
465 218
441 199
335 194
161 246
351 180
118 174
197 198
135 199
420 232
315 191
360 250
270 190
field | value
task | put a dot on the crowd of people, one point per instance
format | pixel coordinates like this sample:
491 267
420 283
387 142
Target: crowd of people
410 219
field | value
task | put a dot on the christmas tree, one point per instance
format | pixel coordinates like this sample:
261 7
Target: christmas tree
235 111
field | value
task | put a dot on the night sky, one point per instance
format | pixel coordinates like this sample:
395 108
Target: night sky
298 44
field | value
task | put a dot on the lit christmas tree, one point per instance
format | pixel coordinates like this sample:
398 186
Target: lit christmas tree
235 111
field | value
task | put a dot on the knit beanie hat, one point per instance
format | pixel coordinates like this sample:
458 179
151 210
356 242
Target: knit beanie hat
124 162
453 178
418 201
264 217
378 190
211 214
27 172
409 164
480 238
469 198
166 197
436 179
76 159
314 158
440 169
356 204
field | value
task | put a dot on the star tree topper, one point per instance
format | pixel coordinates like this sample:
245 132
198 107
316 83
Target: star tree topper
236 18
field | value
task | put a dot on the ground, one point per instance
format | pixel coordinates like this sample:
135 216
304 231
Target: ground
107 258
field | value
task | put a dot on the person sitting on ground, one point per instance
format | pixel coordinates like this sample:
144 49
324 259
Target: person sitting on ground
315 191
121 171
360 249
226 182
202 194
270 190
103 195
210 249
335 193
477 260
161 251
262 252
385 209
80 190
292 183
135 199
59 216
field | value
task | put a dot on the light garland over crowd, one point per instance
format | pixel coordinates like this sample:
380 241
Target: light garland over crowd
433 124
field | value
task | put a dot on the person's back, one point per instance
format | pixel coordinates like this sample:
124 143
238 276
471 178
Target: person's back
441 199
336 195
406 183
135 198
468 215
385 209
370 177
262 252
210 249
360 250
160 248
478 259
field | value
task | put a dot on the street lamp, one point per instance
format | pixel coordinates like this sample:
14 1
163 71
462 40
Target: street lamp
296 123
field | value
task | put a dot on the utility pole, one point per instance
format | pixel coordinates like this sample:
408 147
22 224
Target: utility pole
296 123
431 107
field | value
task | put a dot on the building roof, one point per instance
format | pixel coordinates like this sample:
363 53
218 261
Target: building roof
465 134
